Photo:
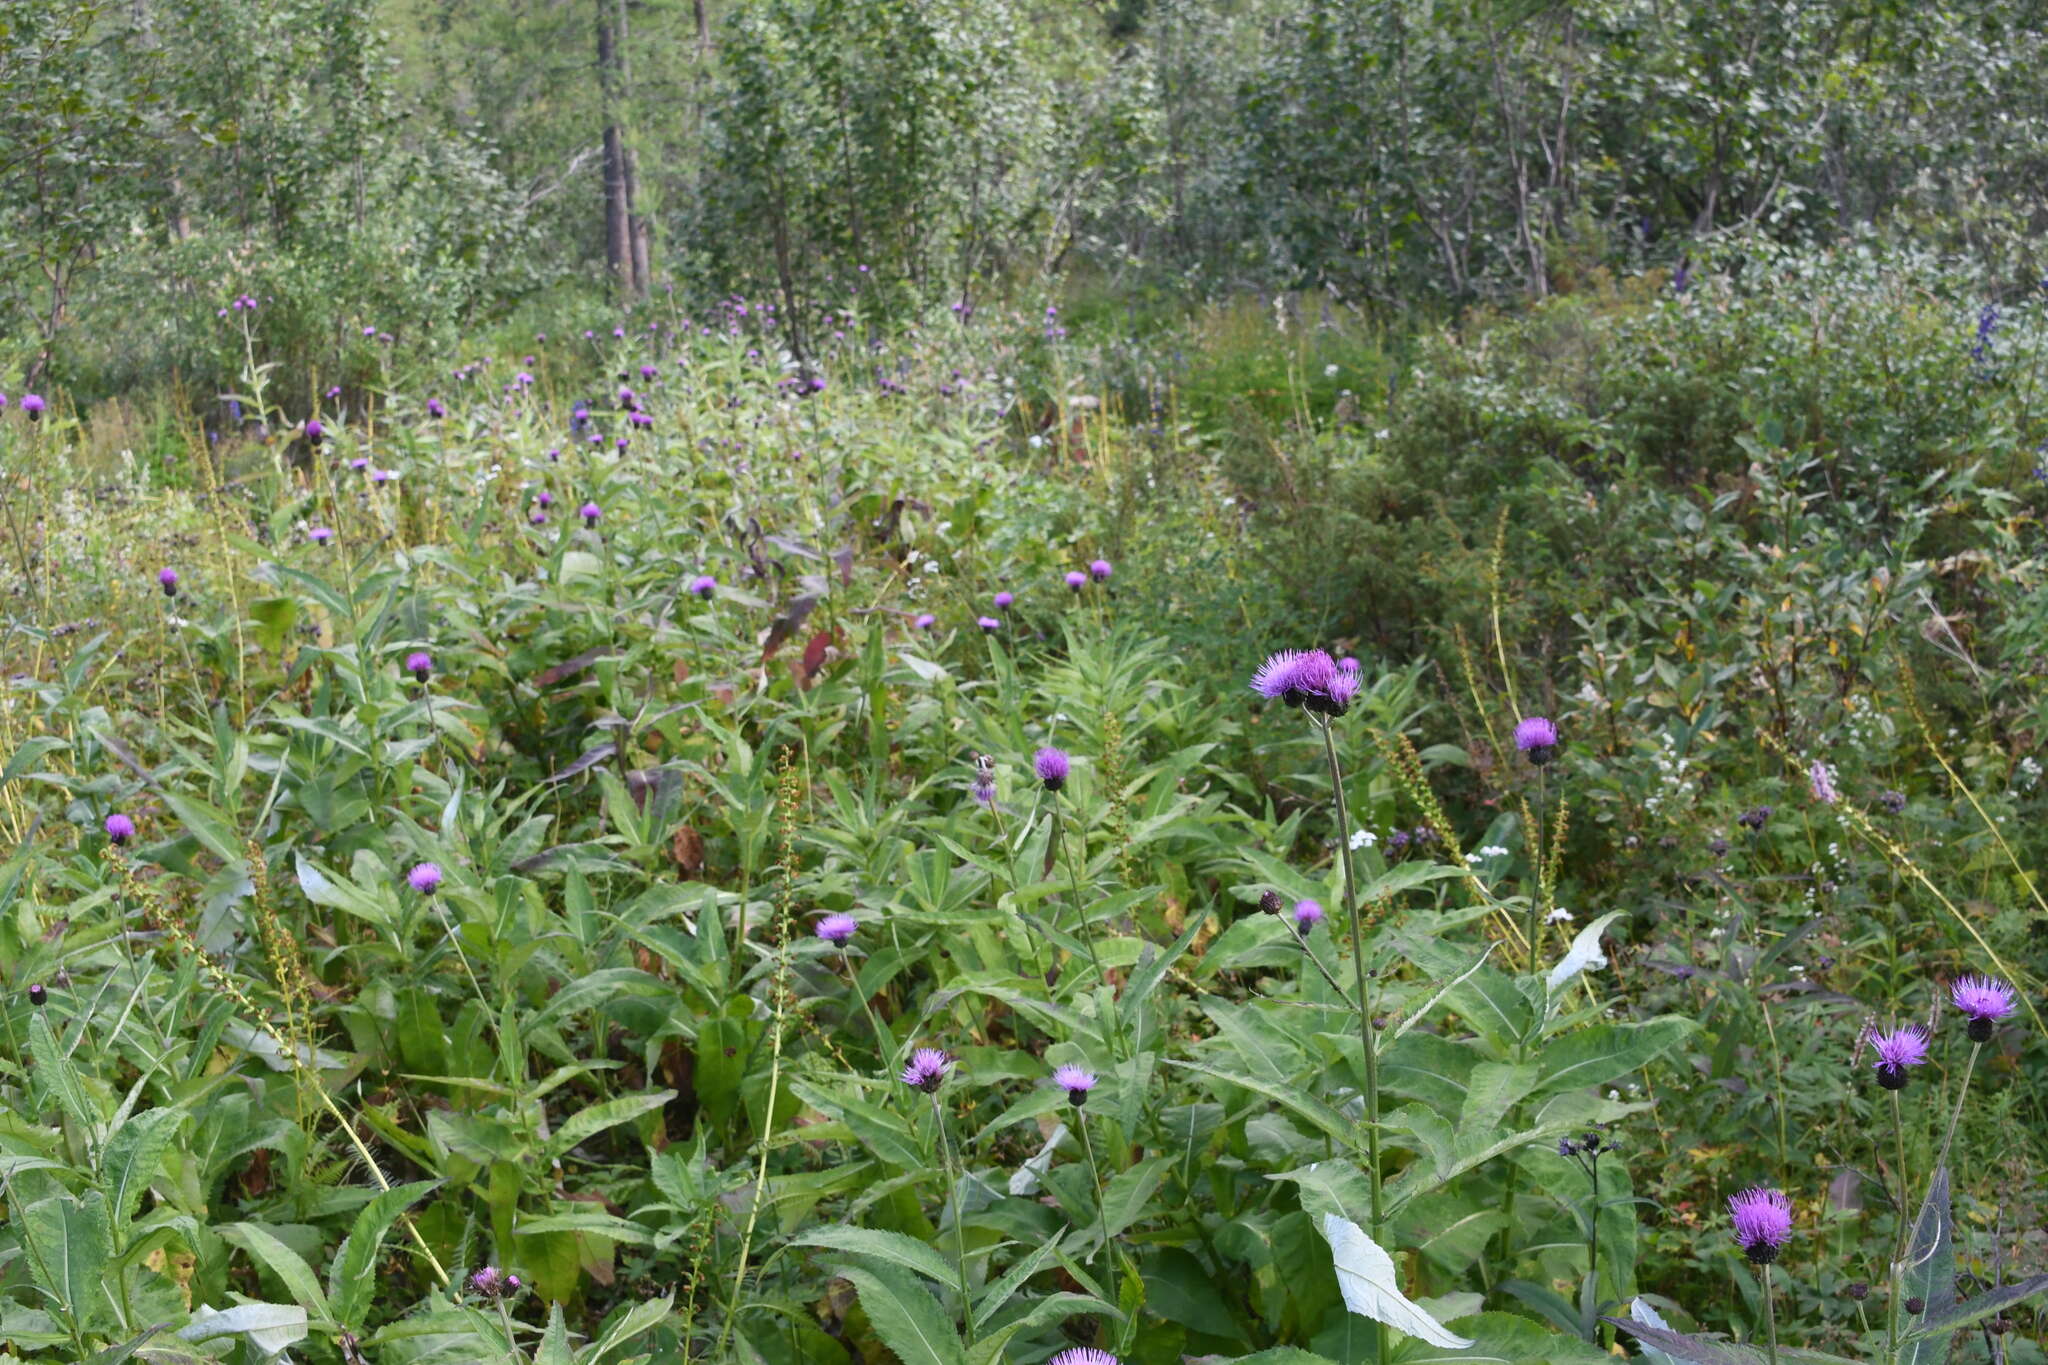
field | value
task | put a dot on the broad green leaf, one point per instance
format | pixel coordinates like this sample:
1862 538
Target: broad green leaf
53 1065
892 1247
554 1341
905 1316
351 1277
67 1246
131 1159
1600 1054
261 1243
644 1317
1295 1100
589 1122
208 825
1128 1194
270 1327
1928 1274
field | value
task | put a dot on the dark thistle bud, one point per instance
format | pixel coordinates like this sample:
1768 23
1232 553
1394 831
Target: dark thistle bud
1566 1147
1857 1290
38 995
1916 1304
1271 903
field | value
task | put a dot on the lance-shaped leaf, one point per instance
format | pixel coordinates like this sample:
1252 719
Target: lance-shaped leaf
1371 1288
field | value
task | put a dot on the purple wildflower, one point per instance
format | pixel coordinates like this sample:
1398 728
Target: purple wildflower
1986 1000
1076 579
1100 570
359 464
1051 766
494 1283
419 663
925 621
32 406
424 878
434 408
703 585
315 432
1075 1081
837 929
167 579
1823 783
1307 914
1896 1050
1083 1355
120 828
1004 601
989 624
1763 1222
320 535
590 512
926 1070
1536 737
1349 663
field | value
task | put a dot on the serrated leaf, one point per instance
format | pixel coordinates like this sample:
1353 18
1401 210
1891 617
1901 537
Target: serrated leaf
352 1280
132 1156
892 1247
289 1267
644 1317
1599 1054
270 1327
68 1246
587 1123
904 1315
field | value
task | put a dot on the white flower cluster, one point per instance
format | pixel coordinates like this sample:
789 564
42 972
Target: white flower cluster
1363 838
1675 789
1489 851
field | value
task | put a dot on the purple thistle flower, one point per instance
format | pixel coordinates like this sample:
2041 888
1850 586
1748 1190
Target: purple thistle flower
381 476
1763 1222
1075 1081
925 621
1307 915
703 585
590 512
1536 736
984 790
32 406
1986 1000
538 518
926 1070
434 408
494 1283
1823 783
320 535
1275 678
1076 579
1052 766
1306 678
1005 600
314 431
359 464
168 580
424 878
1100 570
1083 1355
419 663
1897 1050
1349 663
837 929
120 828
989 624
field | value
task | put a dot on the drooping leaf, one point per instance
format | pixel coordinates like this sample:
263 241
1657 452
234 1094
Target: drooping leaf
892 1247
1371 1286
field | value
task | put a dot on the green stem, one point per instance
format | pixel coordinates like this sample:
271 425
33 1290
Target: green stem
1365 1031
882 1049
511 1341
1770 1318
1894 1272
959 1236
1962 1093
1116 1016
1095 1174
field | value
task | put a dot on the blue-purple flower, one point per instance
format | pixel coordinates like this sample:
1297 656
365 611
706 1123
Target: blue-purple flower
1076 579
1076 1081
1052 767
1763 1222
167 579
1307 915
424 878
1898 1049
1536 737
1985 1000
926 1070
703 585
1309 679
120 828
1100 570
420 664
836 929
1823 783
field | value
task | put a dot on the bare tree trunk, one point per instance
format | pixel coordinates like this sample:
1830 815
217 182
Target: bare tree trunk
618 247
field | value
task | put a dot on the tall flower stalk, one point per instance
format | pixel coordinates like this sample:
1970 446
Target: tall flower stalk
1763 1223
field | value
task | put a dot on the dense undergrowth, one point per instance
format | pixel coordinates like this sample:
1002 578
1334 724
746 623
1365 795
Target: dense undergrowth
427 837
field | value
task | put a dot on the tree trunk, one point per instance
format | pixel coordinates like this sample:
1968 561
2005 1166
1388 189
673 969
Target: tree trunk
618 247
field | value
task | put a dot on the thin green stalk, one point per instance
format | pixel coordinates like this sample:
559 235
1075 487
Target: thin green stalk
959 1235
1095 1174
1770 1318
853 984
1895 1272
1962 1092
1088 934
511 1340
1365 1031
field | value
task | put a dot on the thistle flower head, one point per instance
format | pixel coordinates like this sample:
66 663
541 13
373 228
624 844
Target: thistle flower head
989 625
320 535
1100 570
167 579
1536 736
1309 679
1076 1081
590 512
1083 1355
424 878
1986 1000
1823 783
703 585
419 663
434 408
925 621
1307 914
1005 600
315 430
494 1283
33 405
1896 1050
1052 767
1763 1222
359 463
1076 579
837 929
120 828
926 1070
